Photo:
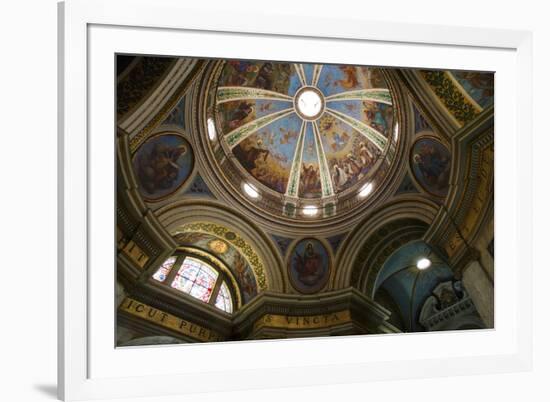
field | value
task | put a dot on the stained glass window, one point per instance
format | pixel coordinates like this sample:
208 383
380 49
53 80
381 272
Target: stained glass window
195 278
164 269
198 279
223 301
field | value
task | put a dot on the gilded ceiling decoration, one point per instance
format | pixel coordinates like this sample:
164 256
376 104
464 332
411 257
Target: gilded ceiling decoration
464 93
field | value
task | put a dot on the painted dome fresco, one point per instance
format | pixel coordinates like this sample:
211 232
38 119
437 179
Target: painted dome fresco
301 140
305 130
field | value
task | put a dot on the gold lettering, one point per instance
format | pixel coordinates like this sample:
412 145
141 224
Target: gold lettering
166 320
301 322
135 253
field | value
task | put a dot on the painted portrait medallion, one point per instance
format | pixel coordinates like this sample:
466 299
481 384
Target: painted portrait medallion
431 165
162 165
309 266
218 246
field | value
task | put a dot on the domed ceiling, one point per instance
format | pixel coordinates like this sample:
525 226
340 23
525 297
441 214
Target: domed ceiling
305 133
309 182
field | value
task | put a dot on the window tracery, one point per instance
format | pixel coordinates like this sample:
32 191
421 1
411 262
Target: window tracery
196 278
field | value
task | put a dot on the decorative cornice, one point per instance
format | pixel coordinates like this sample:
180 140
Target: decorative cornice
348 305
344 311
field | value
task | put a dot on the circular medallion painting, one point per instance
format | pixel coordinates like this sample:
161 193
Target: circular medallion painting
431 165
162 165
218 246
309 266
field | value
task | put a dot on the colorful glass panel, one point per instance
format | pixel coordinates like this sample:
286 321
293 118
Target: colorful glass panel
223 300
196 278
164 269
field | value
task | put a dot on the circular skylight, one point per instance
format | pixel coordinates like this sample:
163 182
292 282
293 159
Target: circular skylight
309 103
423 263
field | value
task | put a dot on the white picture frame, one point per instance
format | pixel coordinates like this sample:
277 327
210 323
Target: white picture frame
91 32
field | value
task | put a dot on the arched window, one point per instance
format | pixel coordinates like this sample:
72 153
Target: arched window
196 278
164 269
223 300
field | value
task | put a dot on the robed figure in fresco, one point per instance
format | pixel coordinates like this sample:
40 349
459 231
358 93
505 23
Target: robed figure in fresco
309 265
159 169
434 166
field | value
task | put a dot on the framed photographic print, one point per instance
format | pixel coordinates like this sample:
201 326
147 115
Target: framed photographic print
283 204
